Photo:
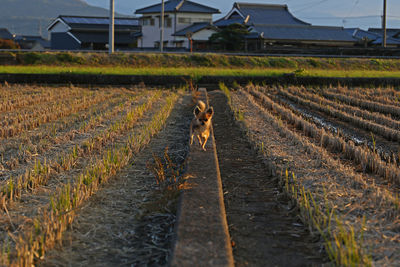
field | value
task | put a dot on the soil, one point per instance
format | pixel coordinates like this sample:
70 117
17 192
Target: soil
386 149
117 227
263 229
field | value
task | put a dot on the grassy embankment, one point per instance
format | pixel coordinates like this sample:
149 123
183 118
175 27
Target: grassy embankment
195 65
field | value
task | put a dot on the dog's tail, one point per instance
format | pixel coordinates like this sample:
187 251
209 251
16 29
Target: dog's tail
201 105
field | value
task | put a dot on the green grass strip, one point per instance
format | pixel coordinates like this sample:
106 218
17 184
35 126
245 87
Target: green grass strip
197 72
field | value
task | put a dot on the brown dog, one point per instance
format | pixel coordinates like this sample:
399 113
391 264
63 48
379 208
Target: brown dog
201 124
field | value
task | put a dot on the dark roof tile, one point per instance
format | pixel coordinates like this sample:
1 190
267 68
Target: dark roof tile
5 34
180 6
268 14
302 33
195 27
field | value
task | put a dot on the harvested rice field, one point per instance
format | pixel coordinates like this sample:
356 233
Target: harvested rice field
59 146
92 176
335 153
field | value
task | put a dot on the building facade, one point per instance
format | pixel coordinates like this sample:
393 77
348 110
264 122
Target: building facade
92 33
179 14
273 25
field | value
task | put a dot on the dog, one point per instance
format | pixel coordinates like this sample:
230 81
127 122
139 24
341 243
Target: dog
201 124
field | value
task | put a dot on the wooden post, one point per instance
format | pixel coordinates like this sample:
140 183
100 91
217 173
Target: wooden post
384 24
162 27
111 29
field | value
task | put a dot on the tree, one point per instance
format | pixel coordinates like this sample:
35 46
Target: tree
230 38
8 44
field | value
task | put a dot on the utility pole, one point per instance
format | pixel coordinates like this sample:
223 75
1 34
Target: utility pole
384 24
111 29
162 27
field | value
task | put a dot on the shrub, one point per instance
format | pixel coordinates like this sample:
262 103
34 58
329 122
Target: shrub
8 44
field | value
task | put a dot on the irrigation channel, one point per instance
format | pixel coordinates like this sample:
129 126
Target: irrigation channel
123 224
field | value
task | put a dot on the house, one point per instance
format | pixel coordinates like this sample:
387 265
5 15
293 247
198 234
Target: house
35 43
5 34
373 38
182 19
92 33
274 25
198 34
390 32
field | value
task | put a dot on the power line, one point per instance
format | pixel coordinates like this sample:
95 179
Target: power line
310 4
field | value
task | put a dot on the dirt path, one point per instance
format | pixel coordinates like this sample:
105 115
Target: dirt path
111 229
263 231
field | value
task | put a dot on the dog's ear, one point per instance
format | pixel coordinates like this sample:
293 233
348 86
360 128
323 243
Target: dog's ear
196 111
210 112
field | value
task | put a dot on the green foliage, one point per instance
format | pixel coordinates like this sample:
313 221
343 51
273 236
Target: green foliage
230 38
69 58
200 60
30 58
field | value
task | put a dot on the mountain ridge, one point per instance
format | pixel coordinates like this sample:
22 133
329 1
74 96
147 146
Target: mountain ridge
31 17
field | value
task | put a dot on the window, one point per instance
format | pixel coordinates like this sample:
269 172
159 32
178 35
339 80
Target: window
168 22
147 22
185 20
203 20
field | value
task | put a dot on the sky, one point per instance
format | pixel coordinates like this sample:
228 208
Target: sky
344 13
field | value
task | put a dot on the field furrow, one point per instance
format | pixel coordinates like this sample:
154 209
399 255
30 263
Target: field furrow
379 138
65 158
368 161
30 119
333 197
26 147
387 109
42 95
387 96
56 192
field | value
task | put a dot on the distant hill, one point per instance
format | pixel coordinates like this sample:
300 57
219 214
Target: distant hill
31 17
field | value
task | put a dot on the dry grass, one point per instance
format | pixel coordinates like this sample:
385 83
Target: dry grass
42 202
333 198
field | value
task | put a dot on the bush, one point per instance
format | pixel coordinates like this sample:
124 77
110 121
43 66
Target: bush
69 58
8 44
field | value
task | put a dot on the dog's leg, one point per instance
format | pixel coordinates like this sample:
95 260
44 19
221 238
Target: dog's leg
199 138
204 143
191 139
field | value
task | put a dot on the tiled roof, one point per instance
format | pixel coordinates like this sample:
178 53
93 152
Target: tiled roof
389 31
389 41
178 6
302 33
226 22
195 27
268 14
5 34
373 37
31 38
77 22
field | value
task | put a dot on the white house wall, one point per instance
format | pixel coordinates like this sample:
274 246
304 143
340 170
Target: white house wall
203 35
200 17
151 34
